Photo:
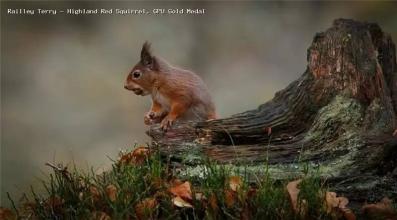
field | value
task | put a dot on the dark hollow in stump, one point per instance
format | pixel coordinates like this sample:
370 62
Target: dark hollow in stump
340 114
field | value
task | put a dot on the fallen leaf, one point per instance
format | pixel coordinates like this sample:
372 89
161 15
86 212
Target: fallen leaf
145 208
175 181
235 183
213 202
94 193
126 158
349 215
6 214
140 154
383 208
111 191
136 157
293 191
230 198
337 205
331 201
179 202
395 133
182 190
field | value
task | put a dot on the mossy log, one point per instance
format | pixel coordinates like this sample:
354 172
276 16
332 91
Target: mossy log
340 114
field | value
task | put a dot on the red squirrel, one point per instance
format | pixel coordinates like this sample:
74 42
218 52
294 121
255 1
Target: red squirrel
176 93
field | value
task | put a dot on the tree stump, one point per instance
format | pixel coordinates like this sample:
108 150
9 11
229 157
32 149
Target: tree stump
340 115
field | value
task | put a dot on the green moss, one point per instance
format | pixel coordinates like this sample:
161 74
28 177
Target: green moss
340 115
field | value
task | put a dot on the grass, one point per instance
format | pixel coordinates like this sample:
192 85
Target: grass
140 190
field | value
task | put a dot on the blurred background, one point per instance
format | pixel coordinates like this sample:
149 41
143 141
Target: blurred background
62 76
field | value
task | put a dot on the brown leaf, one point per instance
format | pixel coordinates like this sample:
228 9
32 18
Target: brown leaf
140 154
175 182
331 201
145 208
383 208
126 158
179 202
136 157
6 214
293 191
337 205
230 198
111 191
235 183
213 202
94 193
349 215
182 190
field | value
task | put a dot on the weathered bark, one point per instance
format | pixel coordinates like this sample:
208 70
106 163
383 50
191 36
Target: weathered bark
340 114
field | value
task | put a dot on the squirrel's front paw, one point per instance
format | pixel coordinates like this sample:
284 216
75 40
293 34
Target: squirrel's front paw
153 117
149 118
166 123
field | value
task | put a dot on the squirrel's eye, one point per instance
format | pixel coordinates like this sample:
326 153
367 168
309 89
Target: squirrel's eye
136 74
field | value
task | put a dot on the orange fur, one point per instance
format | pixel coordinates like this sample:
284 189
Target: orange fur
177 94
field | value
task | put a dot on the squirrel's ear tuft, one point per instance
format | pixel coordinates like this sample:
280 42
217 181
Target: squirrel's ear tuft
146 56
